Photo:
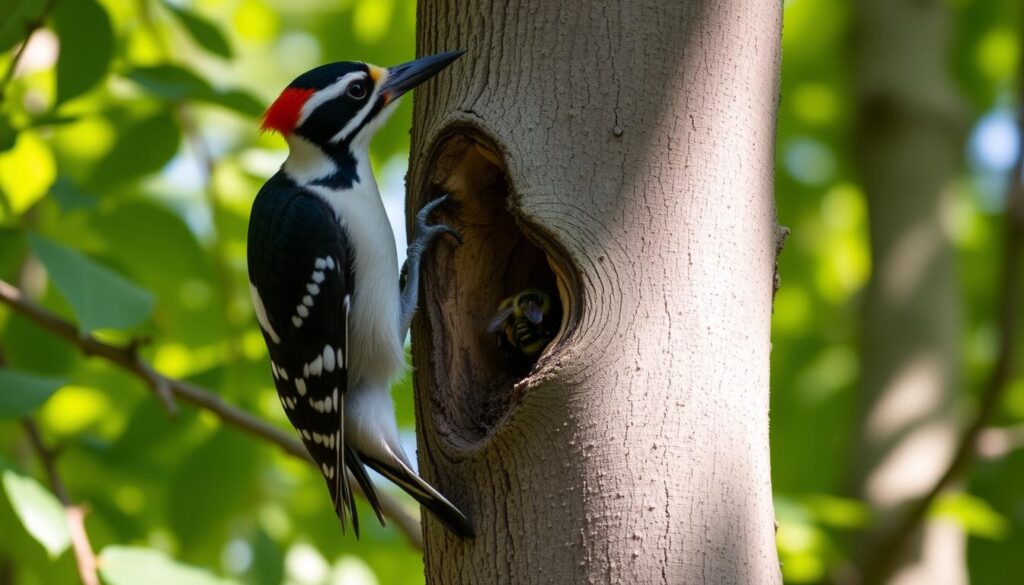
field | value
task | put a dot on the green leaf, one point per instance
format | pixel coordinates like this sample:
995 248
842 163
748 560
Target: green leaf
227 460
70 197
39 511
131 565
203 31
22 393
170 82
142 148
156 246
239 101
52 119
99 297
8 135
973 514
173 83
16 18
86 46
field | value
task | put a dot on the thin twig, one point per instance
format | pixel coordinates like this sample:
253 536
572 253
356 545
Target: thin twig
890 545
30 30
195 395
85 558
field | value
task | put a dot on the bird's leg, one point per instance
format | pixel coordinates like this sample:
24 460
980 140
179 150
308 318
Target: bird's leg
423 235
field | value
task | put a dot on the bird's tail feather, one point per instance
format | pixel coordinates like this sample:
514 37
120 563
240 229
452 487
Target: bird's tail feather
343 498
399 473
355 465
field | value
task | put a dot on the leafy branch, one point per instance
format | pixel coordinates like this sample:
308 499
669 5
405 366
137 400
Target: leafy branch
127 357
890 545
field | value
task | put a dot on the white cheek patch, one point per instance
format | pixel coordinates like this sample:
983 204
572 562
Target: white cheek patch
370 129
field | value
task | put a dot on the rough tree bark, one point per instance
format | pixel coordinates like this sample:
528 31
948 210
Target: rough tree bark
621 154
909 142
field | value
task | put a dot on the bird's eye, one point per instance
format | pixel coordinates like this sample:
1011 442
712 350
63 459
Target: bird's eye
357 90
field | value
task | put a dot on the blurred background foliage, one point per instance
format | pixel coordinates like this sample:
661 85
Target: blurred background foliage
129 158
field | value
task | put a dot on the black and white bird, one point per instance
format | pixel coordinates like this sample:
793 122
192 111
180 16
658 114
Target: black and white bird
324 279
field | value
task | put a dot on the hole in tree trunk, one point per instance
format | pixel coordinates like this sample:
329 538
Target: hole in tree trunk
475 374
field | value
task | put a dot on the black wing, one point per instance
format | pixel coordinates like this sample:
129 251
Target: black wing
300 272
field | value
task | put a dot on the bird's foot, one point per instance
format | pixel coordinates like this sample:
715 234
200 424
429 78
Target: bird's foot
423 235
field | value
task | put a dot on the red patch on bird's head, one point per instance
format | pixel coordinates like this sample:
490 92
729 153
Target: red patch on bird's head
283 114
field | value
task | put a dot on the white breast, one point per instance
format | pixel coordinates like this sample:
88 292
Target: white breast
375 350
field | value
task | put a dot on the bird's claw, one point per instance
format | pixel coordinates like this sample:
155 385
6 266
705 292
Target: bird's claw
425 232
409 277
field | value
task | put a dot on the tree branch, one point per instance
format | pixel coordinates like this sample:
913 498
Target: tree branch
85 558
30 30
891 544
128 359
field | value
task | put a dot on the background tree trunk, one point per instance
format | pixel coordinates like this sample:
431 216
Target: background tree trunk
620 153
909 145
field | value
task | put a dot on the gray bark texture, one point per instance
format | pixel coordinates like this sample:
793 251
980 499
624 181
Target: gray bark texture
909 144
620 154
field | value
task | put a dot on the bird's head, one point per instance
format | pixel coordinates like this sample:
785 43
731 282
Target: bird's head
341 105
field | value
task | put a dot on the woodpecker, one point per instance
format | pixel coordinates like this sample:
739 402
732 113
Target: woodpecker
524 325
324 278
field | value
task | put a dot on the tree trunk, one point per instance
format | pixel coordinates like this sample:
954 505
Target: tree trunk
621 155
909 143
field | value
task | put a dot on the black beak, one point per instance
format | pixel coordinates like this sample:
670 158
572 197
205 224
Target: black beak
402 78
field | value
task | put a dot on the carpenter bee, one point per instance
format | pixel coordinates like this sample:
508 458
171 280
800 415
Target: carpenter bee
524 325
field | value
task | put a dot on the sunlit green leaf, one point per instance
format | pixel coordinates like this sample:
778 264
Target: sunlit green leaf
143 148
832 510
27 171
131 565
975 515
39 512
206 33
86 46
100 297
22 393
